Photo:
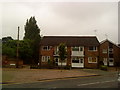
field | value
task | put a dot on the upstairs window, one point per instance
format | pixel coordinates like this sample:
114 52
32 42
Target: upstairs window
104 51
77 48
46 48
92 48
110 45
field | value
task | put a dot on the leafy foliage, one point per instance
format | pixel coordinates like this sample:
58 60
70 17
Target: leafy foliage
32 32
9 48
5 39
25 50
62 53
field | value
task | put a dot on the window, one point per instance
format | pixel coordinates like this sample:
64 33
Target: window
111 60
104 51
81 60
81 48
110 45
56 50
92 59
46 47
75 60
92 48
110 55
77 48
45 58
105 61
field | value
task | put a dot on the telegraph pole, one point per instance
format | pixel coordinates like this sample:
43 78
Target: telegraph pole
17 54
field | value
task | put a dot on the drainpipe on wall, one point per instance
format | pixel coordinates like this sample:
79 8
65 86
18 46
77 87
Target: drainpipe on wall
108 57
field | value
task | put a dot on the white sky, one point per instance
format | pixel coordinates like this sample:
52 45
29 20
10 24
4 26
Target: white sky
62 18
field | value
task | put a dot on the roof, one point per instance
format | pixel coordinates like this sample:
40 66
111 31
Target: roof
106 40
70 40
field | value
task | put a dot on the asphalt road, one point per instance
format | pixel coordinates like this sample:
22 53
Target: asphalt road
106 80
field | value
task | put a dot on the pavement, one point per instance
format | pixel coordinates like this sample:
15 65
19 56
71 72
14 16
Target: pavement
34 75
12 75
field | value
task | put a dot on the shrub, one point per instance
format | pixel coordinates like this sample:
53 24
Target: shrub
103 67
34 67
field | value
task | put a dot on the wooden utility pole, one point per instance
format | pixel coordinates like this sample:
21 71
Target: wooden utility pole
17 53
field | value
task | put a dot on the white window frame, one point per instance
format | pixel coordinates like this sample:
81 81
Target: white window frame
91 58
93 48
104 50
75 58
45 58
105 61
79 48
47 48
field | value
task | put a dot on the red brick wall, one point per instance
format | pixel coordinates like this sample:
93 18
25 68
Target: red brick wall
87 54
103 55
7 61
46 53
91 54
116 52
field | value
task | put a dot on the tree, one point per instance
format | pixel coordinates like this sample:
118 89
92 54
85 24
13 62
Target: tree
5 39
32 32
9 48
26 51
62 53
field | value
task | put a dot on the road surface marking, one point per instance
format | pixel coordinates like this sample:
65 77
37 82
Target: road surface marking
95 83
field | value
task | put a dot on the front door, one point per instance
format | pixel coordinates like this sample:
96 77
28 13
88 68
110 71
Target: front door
56 61
105 61
78 62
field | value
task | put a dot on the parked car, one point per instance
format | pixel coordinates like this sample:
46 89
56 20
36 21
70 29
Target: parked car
119 80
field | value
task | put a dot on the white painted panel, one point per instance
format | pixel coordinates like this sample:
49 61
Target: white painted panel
77 53
77 65
80 64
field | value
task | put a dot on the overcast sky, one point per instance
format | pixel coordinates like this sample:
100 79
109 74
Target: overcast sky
62 18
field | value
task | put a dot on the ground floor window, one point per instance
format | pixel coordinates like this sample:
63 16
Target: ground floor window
111 62
92 59
75 60
45 58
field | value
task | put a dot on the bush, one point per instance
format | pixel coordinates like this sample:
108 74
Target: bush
103 67
67 67
34 67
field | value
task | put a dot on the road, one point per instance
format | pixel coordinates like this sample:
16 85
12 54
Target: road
105 80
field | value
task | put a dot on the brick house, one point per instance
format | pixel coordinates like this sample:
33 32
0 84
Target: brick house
82 51
109 53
